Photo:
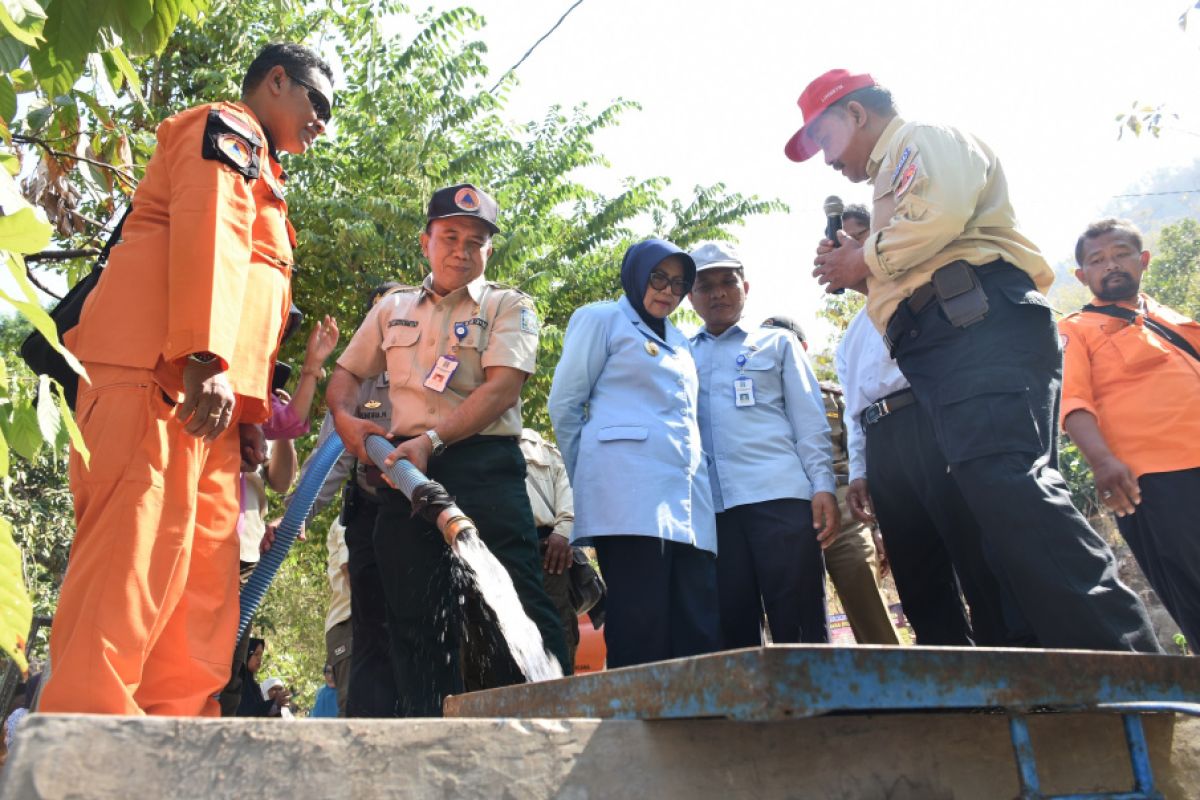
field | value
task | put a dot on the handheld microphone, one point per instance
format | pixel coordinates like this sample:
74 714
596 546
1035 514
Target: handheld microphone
833 223
833 218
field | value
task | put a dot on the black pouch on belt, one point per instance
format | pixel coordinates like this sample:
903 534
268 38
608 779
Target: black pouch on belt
960 294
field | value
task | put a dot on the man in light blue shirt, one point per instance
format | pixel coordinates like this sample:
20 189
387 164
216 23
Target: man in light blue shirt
764 432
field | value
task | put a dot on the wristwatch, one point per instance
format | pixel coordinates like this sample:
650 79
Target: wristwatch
439 446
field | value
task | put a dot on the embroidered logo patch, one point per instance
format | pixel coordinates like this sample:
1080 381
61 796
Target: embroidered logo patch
903 160
467 199
529 320
236 149
906 179
406 323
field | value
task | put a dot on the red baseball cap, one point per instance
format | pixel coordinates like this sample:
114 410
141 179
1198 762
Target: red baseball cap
816 98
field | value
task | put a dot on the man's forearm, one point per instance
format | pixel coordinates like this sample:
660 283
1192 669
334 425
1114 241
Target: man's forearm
498 393
1084 430
342 393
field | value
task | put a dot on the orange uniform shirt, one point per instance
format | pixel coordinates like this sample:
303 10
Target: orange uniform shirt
1143 390
204 264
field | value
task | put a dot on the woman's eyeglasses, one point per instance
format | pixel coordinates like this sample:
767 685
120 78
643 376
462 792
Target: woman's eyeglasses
319 102
660 281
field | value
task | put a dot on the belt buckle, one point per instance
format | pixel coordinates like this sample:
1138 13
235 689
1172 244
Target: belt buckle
877 411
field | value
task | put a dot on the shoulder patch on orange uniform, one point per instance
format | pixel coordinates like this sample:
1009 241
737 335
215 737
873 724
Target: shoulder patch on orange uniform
229 140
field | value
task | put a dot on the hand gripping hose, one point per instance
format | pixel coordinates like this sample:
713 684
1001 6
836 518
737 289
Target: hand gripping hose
429 500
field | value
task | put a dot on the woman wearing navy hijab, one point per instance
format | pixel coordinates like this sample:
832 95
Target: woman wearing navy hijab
623 404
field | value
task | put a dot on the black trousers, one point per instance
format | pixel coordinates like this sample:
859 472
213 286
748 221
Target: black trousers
992 390
372 690
1164 535
662 599
769 558
423 584
933 541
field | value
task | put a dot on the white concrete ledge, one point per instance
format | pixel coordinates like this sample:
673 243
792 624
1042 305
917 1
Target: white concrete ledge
900 756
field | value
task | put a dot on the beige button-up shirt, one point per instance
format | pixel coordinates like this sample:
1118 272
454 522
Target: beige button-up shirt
939 196
547 484
407 331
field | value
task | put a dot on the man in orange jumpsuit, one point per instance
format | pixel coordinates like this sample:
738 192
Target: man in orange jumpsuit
1131 376
179 340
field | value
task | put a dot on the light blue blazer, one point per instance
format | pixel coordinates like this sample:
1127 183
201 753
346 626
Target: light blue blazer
623 404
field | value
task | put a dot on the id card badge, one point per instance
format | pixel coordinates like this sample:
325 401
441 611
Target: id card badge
442 372
743 392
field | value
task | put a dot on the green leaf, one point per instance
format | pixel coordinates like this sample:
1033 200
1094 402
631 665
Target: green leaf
12 53
38 317
37 117
73 29
10 163
24 436
16 611
55 74
24 232
23 80
8 100
121 62
101 113
49 420
151 37
72 428
3 457
138 13
23 19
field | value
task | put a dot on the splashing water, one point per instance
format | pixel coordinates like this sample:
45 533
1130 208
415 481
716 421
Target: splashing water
496 587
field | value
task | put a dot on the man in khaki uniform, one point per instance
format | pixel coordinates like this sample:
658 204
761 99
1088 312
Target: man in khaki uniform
852 559
457 351
957 291
553 506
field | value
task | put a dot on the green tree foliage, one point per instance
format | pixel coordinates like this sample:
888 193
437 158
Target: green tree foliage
1174 275
410 115
838 310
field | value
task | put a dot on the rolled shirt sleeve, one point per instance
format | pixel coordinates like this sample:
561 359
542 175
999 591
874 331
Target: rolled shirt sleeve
1077 371
364 356
514 334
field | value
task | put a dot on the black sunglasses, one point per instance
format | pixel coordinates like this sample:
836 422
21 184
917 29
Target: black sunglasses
319 102
660 281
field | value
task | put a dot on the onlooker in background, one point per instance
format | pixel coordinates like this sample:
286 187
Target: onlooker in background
766 442
554 514
853 558
921 513
253 703
327 697
371 690
339 640
1131 379
623 404
290 416
277 697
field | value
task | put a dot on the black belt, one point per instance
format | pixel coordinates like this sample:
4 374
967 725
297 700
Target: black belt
888 405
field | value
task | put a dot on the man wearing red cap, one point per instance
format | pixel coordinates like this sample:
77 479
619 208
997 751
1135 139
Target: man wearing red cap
957 292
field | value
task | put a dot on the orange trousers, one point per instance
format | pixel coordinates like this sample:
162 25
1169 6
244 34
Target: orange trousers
148 610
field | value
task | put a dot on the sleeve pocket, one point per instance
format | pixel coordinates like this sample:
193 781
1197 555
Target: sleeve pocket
614 433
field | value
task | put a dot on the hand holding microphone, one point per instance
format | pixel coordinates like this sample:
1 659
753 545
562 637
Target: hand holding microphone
838 267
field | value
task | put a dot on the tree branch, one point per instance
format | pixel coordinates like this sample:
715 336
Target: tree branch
129 179
39 284
62 255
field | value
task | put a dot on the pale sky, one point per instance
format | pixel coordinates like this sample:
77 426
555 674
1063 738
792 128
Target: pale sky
1040 82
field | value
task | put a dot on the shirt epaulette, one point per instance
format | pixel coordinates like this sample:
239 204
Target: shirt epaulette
498 285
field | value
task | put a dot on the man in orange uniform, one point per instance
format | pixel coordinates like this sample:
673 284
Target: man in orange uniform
179 339
1123 356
